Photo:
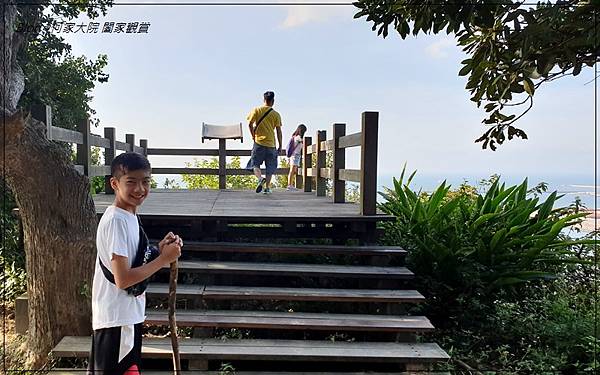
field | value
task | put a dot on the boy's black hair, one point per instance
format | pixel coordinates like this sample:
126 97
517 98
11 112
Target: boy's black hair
128 162
269 96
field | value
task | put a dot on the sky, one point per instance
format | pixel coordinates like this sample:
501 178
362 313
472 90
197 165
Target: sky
212 63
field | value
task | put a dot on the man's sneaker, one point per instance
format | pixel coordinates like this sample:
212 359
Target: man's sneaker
260 185
267 191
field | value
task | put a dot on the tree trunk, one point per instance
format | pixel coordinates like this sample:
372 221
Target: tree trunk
59 225
56 209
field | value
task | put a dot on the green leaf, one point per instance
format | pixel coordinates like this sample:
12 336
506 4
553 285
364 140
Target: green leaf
465 70
528 86
498 236
482 219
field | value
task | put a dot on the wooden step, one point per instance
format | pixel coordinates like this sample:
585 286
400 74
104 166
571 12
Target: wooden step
164 372
183 290
294 269
288 294
240 247
272 350
292 321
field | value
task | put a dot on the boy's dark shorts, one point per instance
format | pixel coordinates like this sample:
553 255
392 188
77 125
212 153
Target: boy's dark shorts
105 352
262 154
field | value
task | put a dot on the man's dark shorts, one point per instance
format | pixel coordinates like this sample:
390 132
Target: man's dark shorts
262 154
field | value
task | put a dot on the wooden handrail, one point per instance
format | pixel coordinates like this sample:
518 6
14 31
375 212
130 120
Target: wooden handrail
366 139
352 140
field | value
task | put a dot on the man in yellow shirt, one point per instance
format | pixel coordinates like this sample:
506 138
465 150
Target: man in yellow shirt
263 122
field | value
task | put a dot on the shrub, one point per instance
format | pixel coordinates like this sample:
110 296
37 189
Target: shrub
466 246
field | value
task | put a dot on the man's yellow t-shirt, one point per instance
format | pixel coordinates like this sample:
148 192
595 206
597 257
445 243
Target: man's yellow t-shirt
264 135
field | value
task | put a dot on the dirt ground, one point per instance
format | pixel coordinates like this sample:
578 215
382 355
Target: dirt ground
15 345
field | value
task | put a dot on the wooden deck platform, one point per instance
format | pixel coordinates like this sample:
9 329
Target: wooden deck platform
243 206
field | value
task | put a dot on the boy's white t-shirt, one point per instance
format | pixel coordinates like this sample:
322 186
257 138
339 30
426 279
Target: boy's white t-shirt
118 233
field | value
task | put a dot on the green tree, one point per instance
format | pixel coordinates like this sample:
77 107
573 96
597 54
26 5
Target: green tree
212 181
54 200
53 75
513 49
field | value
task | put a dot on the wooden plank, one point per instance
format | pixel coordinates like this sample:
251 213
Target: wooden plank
242 171
310 294
229 292
268 350
326 172
66 135
138 149
352 140
241 247
294 269
123 146
339 163
239 152
43 113
109 156
307 164
368 163
183 152
196 152
144 146
99 170
130 140
327 145
199 372
244 206
292 321
22 314
84 154
222 164
205 171
183 290
98 141
350 175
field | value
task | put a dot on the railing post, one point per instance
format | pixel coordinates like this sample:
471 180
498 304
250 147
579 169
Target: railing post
307 159
109 156
130 140
144 145
321 155
339 162
299 180
222 164
83 150
43 113
368 163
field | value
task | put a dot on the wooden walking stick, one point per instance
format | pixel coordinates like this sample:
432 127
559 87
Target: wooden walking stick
172 321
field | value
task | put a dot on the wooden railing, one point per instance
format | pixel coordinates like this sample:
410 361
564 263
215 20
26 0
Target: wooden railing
222 153
366 139
84 140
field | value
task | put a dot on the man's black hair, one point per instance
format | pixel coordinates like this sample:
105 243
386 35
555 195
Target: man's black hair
129 162
269 96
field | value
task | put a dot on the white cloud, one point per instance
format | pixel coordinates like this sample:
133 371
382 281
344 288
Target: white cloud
299 15
439 48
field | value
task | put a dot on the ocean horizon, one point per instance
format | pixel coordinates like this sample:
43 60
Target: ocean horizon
570 186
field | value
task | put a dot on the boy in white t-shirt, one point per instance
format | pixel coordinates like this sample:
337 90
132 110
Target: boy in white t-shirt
118 310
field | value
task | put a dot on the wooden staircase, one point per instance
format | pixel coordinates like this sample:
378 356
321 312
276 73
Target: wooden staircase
258 288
